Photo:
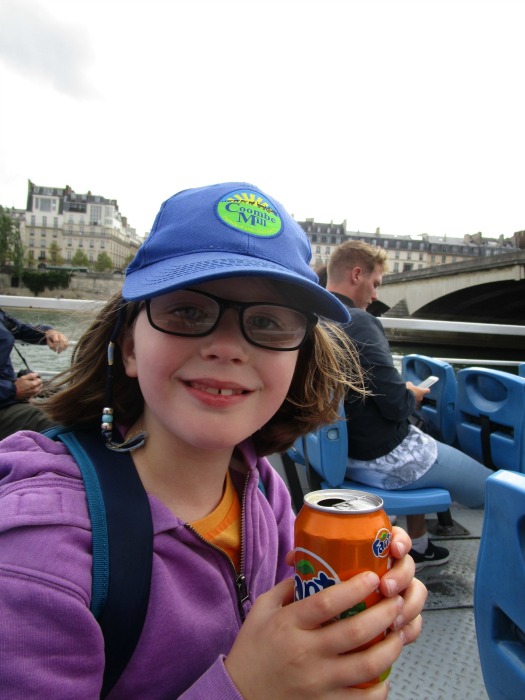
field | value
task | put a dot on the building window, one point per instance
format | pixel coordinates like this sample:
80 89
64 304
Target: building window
95 214
396 267
443 258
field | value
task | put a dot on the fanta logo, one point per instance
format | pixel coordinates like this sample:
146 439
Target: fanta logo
381 546
312 574
246 210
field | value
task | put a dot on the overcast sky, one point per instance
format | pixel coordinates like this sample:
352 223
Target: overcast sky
399 114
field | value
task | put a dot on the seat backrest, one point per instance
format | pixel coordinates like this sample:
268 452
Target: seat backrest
438 407
490 417
499 611
521 369
327 451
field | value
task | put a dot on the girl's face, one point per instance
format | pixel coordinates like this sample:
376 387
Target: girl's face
209 392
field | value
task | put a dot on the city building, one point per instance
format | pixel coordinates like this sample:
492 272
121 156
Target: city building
405 253
58 222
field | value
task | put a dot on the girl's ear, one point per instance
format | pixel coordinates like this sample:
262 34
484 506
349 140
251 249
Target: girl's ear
127 351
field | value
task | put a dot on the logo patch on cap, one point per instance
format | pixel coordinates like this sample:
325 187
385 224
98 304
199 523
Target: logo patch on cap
248 211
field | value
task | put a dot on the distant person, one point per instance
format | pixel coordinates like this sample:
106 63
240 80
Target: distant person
384 449
16 413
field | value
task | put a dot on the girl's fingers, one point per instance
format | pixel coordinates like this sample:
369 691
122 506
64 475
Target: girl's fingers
348 634
415 597
361 666
412 630
324 606
399 577
401 542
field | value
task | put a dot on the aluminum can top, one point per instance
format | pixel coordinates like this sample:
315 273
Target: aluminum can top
343 501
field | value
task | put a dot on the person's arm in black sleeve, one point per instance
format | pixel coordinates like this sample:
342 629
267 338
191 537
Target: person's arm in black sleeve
26 332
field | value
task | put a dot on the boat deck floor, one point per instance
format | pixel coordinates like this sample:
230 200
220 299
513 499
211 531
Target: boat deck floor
444 662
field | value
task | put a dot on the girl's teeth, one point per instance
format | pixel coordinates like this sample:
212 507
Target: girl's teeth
223 392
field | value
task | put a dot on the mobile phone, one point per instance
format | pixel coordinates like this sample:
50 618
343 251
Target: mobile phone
428 382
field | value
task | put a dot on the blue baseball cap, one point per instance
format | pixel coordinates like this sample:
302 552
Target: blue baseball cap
231 229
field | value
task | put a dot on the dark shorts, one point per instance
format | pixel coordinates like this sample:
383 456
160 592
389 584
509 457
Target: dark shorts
22 416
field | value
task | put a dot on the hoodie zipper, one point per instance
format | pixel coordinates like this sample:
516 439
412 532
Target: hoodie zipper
241 584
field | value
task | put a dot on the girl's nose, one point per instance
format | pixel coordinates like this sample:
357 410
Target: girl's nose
227 340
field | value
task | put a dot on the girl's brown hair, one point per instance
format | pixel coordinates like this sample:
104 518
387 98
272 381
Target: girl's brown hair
326 368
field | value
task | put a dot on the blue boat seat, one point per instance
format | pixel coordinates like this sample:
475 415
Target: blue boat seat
499 612
325 452
521 369
490 417
438 407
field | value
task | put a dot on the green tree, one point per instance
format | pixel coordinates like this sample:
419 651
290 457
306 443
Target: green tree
6 234
54 254
80 259
17 253
103 262
37 281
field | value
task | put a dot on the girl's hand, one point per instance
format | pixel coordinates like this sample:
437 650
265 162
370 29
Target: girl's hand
400 580
296 651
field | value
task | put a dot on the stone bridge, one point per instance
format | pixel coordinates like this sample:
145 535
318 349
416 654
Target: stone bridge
491 290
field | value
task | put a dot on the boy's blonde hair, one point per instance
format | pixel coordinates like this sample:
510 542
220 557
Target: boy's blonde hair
326 368
352 254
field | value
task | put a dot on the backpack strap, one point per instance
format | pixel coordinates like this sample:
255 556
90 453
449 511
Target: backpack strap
122 545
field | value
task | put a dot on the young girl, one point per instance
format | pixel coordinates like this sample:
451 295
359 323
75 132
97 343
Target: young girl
219 359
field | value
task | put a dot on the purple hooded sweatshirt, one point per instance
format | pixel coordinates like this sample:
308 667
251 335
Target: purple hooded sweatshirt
51 646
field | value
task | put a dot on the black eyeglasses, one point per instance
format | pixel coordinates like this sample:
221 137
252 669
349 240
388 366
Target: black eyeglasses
190 313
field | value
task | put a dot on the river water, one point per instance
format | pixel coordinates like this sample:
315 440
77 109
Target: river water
73 323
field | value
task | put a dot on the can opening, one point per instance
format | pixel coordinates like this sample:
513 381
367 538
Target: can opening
330 502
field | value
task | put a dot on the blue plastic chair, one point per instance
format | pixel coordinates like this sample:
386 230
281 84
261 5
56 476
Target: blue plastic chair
490 417
499 612
325 452
438 407
521 369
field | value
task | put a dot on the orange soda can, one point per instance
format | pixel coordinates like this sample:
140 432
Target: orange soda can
340 533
